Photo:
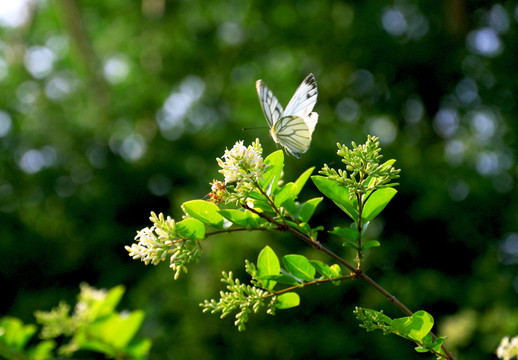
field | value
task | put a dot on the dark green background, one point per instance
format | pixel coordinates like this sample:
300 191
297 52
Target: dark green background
90 153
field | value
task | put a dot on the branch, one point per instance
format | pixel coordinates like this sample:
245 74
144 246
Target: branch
358 273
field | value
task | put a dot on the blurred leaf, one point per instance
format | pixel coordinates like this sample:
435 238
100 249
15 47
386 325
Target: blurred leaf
14 334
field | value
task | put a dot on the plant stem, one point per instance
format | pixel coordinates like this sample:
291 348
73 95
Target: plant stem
357 273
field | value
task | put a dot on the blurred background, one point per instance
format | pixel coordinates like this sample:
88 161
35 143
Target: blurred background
112 109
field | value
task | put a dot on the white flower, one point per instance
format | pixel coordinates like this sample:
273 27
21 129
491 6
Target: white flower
242 163
152 246
508 349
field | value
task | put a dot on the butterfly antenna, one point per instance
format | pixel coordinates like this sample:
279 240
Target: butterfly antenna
253 128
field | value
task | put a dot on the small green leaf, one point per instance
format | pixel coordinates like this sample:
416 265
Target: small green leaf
290 206
307 209
349 233
377 202
339 194
287 300
268 264
416 327
286 279
322 268
205 211
369 244
299 266
336 271
286 193
191 229
14 333
301 181
116 330
272 174
241 218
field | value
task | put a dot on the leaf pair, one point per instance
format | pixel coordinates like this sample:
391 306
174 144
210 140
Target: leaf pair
415 328
297 271
339 194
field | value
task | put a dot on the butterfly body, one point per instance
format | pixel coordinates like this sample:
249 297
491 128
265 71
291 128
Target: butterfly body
291 127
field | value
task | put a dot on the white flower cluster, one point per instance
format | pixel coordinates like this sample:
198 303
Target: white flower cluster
508 348
153 244
243 164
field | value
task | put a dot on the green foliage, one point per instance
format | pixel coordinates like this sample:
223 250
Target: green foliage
95 326
415 328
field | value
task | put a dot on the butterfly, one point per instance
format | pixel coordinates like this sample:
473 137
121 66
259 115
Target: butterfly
293 126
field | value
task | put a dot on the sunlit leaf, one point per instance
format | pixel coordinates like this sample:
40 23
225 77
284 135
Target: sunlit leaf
377 202
299 266
191 229
268 264
205 211
338 194
307 209
287 300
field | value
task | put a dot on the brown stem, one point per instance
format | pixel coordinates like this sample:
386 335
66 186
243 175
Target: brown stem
357 273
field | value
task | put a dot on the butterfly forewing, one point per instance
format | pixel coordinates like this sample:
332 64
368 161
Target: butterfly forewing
271 108
304 99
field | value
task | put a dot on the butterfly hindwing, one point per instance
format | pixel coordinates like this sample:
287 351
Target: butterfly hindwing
294 132
271 108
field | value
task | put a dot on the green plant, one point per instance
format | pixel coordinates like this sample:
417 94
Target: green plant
93 326
256 199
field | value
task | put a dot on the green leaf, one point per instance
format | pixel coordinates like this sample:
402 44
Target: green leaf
286 279
290 206
336 271
240 218
349 233
272 174
287 192
191 229
322 268
139 348
339 194
268 264
116 330
377 202
299 266
415 327
287 300
307 209
104 306
369 244
205 211
301 181
14 333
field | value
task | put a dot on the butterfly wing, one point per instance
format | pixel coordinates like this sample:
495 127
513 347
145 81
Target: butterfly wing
271 108
304 99
294 132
